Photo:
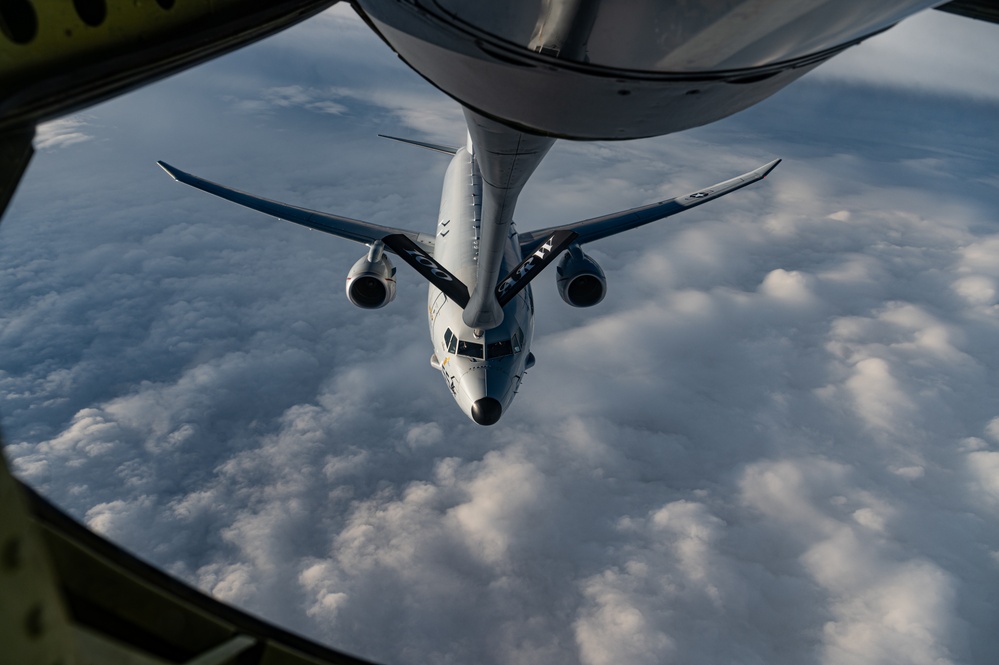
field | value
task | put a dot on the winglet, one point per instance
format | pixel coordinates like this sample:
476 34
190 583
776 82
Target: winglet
767 168
727 187
171 171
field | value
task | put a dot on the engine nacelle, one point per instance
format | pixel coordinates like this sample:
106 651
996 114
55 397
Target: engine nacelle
581 282
371 282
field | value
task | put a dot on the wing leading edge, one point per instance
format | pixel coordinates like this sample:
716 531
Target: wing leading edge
540 247
596 228
344 227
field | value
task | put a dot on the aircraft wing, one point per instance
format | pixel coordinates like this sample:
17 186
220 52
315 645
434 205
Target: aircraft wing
344 227
980 10
596 228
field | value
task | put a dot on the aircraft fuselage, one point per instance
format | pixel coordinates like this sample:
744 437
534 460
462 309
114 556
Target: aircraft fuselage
482 368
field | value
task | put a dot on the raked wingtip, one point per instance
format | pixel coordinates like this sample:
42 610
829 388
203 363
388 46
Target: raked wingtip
171 171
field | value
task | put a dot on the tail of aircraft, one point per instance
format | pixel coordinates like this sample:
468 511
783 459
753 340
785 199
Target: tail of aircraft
446 149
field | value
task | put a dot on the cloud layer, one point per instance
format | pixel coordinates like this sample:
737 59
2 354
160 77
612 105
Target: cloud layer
776 440
932 52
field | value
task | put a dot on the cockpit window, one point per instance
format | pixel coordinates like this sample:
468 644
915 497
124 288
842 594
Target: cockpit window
501 348
470 349
497 349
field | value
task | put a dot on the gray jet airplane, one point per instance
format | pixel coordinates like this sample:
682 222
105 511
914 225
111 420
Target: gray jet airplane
481 327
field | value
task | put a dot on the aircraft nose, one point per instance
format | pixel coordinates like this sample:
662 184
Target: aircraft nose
486 411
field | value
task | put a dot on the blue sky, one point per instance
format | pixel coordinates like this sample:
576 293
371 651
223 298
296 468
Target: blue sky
776 440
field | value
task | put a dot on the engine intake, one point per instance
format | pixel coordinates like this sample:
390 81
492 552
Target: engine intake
581 282
371 282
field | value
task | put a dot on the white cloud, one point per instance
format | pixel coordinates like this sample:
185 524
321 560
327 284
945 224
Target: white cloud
614 629
292 96
931 52
882 608
773 442
983 466
62 133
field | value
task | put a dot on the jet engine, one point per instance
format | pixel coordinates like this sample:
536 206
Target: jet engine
581 282
371 282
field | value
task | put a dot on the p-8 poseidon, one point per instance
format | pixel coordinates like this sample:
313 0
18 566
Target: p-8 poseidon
481 311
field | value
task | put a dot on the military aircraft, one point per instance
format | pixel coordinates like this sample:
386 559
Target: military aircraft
481 326
582 69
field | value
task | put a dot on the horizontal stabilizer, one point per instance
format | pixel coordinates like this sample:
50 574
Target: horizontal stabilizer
531 266
423 263
446 149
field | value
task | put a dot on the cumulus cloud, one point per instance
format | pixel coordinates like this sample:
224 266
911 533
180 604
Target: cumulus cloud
292 96
62 133
775 441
